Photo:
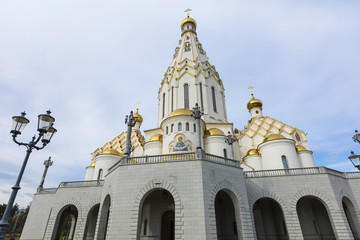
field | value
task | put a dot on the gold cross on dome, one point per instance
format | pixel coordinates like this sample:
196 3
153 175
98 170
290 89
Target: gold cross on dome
137 105
251 89
188 11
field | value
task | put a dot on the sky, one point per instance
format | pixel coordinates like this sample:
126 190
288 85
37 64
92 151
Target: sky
90 61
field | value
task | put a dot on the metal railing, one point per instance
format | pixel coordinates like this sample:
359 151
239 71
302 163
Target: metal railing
300 171
91 183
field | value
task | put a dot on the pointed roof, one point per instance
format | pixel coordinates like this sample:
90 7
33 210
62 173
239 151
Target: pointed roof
189 57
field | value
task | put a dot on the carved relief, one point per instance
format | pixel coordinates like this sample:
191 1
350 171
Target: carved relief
187 46
201 50
176 52
180 144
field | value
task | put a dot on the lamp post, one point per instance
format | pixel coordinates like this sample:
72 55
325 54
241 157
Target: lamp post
355 159
130 120
230 139
45 133
47 164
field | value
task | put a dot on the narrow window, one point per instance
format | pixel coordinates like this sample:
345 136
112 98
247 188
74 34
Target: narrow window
172 127
201 96
213 98
194 127
145 227
172 99
284 161
163 110
187 127
167 130
186 96
100 174
179 127
225 153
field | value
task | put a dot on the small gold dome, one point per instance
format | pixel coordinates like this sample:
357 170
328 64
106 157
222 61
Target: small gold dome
180 112
138 116
92 164
156 137
188 19
214 132
254 103
252 152
273 137
300 148
111 151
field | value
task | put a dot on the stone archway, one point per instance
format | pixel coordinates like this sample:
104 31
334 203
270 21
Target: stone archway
350 213
157 216
269 219
65 223
89 233
314 219
104 218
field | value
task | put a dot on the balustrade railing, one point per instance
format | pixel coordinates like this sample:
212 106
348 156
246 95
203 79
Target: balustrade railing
300 171
92 183
161 158
221 160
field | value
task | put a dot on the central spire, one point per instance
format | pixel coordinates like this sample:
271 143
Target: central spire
191 79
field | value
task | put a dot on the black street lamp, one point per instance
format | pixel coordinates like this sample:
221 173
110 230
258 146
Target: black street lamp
355 159
46 132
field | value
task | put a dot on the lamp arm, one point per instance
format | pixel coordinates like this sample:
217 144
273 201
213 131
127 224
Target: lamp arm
18 143
39 148
33 143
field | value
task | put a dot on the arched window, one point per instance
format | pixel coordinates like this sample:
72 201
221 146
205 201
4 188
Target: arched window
213 98
167 130
284 162
201 96
187 127
163 109
179 127
225 153
186 96
100 174
194 127
172 127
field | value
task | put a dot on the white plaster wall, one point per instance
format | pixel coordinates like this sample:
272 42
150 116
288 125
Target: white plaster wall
89 173
153 148
306 159
254 161
253 112
272 151
216 144
104 162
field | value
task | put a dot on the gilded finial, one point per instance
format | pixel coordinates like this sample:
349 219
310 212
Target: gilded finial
251 89
137 106
188 12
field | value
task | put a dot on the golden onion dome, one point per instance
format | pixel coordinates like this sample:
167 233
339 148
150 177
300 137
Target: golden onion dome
214 132
180 112
156 137
252 152
188 19
111 151
254 103
300 148
272 137
138 117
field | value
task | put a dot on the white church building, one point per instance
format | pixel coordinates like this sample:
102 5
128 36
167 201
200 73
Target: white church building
195 176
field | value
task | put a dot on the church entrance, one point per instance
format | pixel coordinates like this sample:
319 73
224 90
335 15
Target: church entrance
90 227
168 226
269 220
157 216
350 213
314 219
65 223
226 226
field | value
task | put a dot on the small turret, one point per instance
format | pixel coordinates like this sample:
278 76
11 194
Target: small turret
254 106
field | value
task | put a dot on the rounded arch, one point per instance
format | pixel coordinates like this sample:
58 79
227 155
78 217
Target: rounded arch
65 222
91 220
239 206
266 194
351 216
69 201
157 184
269 219
104 218
314 193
